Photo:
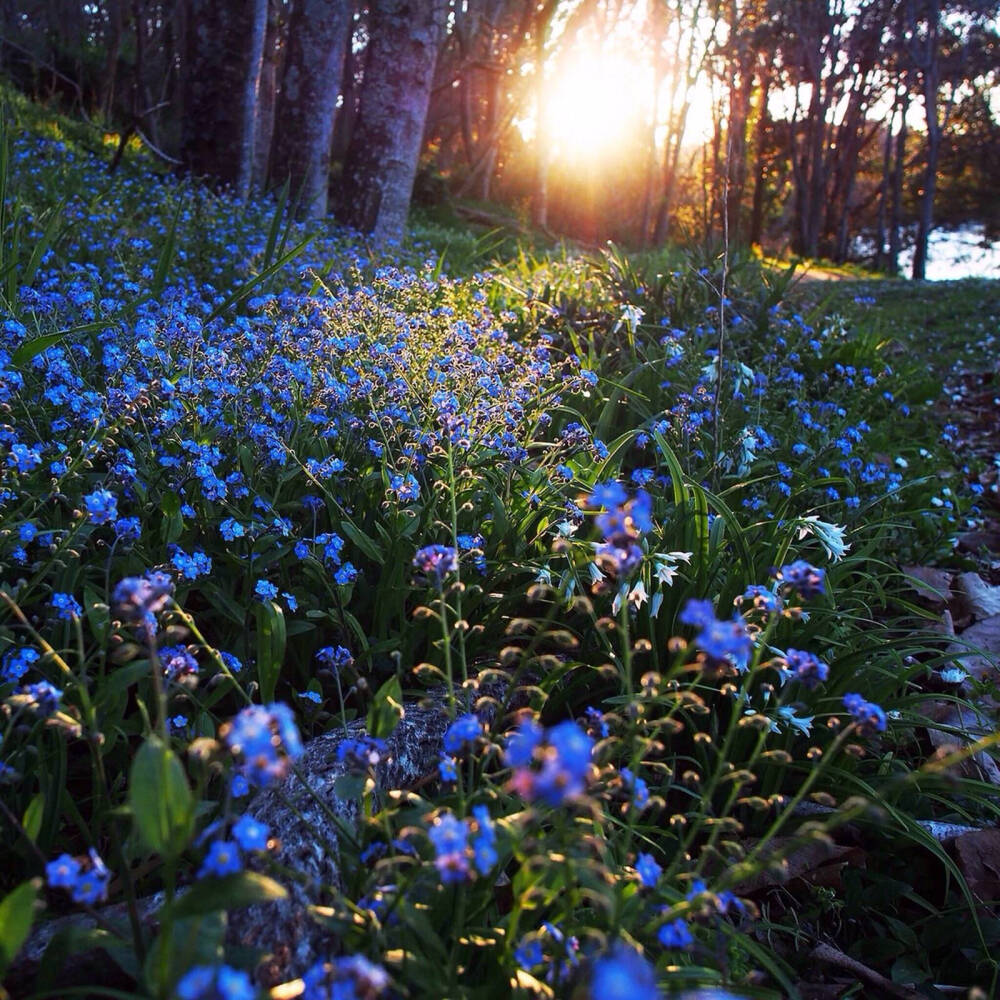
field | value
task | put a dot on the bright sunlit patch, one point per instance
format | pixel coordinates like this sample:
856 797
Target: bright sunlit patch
594 103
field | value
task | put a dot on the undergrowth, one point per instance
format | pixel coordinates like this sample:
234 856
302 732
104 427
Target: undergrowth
636 524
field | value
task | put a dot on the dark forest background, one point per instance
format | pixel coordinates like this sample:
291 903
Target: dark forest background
830 119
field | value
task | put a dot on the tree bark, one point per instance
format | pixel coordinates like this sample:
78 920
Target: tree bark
215 68
930 72
251 91
381 163
318 34
267 95
896 204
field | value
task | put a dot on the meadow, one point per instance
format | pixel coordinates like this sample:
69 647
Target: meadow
636 524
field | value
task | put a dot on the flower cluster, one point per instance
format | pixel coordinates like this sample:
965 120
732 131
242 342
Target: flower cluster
806 580
206 982
265 741
435 562
722 642
352 977
621 524
87 883
870 718
554 765
460 843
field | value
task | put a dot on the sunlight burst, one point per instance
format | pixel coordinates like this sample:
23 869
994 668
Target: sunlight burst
593 104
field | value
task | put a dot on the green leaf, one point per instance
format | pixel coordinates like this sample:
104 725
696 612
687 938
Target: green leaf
279 212
98 615
247 287
32 820
180 945
167 255
161 801
30 349
386 710
271 636
17 913
173 522
363 542
350 786
231 892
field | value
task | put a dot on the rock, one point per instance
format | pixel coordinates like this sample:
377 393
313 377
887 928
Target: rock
978 856
284 929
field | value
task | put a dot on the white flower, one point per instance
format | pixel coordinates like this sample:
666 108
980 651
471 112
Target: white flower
632 315
830 536
638 595
804 724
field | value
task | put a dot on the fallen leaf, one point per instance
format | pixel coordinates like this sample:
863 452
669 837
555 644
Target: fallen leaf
982 599
984 636
978 855
930 583
971 727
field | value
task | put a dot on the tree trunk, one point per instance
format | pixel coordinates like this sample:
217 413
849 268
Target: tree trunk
896 205
540 191
381 163
761 155
318 34
251 90
215 68
930 72
267 94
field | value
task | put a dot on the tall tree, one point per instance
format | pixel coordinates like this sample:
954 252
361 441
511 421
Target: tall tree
381 162
924 35
251 91
318 35
217 66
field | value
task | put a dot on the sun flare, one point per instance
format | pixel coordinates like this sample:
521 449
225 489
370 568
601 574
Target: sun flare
593 104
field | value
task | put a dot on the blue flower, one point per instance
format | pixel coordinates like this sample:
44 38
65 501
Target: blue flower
450 838
349 978
265 741
177 662
564 757
128 529
648 870
869 717
806 668
63 872
623 975
102 507
406 488
223 858
335 658
86 883
675 934
465 729
800 576
66 606
251 834
265 590
205 982
41 699
16 662
435 562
